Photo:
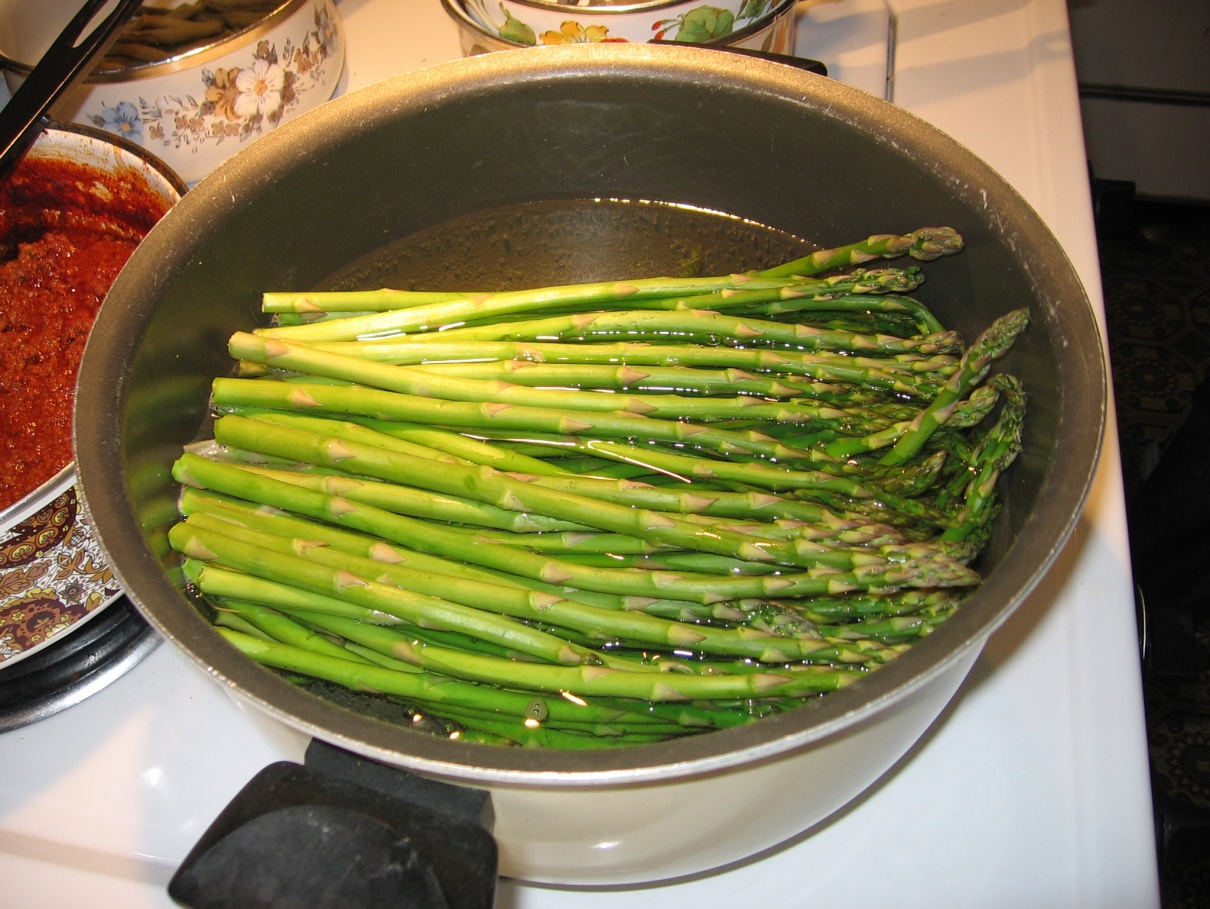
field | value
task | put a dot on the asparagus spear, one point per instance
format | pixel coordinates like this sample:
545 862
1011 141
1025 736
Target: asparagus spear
255 394
411 381
424 687
825 366
598 624
383 300
923 376
271 573
437 315
426 537
487 485
270 521
925 244
592 681
418 503
991 345
993 456
699 326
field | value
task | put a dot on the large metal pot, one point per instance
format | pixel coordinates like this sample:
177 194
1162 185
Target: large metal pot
754 139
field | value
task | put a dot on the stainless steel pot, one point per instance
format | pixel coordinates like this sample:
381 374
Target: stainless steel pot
750 138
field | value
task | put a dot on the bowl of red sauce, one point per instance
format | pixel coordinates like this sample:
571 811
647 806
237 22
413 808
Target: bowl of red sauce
71 213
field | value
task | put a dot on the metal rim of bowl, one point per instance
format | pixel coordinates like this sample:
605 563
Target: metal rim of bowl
1050 525
178 62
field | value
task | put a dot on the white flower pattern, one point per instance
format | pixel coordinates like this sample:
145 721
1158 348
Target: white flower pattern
260 89
235 103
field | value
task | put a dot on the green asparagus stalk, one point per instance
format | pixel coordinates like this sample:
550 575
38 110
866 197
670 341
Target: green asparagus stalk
195 501
602 625
855 372
699 326
417 503
358 302
925 244
994 455
273 625
350 401
991 345
427 383
492 487
593 681
423 687
694 380
289 576
475 451
437 315
426 537
365 301
682 499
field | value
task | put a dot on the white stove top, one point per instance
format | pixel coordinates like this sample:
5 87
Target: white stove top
1031 791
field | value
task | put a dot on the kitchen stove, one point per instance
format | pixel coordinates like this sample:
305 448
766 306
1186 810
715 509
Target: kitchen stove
1030 791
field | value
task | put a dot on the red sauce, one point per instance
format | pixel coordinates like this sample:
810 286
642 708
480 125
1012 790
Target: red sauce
66 232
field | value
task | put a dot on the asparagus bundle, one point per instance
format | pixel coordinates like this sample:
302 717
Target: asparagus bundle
602 514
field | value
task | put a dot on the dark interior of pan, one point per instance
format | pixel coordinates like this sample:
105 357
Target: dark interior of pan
794 152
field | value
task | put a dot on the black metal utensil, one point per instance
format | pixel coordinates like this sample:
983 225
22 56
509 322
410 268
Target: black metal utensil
68 59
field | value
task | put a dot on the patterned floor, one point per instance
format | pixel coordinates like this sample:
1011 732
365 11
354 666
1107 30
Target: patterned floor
1155 263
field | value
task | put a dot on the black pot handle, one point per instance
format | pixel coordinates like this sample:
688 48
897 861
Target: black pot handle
811 66
341 830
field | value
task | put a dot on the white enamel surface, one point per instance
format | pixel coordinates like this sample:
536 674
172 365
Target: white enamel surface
1030 790
195 118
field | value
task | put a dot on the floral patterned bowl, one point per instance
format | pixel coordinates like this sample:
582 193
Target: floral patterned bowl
53 573
491 25
197 108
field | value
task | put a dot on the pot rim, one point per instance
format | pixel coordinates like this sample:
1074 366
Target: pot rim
1042 537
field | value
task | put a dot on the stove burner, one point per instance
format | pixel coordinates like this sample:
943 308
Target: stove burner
80 664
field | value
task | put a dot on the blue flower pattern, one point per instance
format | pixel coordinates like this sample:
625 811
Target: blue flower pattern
124 120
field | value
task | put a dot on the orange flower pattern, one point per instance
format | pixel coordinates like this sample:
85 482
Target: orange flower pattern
697 25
